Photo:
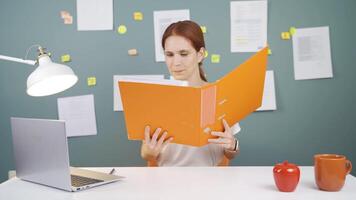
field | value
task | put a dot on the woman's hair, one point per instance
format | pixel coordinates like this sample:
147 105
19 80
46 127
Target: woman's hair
190 31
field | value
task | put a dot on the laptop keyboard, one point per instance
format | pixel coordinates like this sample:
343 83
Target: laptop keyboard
78 181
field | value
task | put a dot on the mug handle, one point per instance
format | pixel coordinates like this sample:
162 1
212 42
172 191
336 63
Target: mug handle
348 166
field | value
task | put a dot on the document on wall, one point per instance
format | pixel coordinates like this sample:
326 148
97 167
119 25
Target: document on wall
94 15
311 53
161 20
269 93
248 21
117 96
78 112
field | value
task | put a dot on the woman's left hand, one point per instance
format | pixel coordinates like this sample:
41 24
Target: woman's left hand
226 138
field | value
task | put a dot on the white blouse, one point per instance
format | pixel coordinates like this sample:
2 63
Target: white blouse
184 155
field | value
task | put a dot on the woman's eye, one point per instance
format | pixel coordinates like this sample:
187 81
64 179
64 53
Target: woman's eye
184 54
169 54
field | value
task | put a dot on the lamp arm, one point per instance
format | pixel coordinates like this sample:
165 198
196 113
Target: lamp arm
29 62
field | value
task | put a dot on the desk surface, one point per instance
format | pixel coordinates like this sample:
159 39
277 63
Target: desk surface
184 183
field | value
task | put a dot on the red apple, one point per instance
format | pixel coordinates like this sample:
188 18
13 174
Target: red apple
286 176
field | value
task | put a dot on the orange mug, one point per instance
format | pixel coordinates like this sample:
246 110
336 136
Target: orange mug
330 171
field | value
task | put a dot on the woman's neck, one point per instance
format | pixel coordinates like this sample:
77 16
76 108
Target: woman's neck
196 82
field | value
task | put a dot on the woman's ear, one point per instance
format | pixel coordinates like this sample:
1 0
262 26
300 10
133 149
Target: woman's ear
201 54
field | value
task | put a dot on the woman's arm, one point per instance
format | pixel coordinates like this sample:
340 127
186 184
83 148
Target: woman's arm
232 153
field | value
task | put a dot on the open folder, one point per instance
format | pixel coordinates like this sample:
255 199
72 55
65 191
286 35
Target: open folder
188 113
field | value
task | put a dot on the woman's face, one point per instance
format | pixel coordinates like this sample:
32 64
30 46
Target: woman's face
182 59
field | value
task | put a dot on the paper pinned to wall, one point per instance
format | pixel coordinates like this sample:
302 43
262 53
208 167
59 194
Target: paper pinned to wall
94 15
269 93
248 25
79 114
161 20
311 53
117 96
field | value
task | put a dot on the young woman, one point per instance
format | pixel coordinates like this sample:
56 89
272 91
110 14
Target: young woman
184 47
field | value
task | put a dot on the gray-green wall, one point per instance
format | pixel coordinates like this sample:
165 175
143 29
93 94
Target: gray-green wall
313 116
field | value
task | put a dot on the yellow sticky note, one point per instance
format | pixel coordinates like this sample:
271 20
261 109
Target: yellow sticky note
138 16
292 30
285 35
91 81
206 54
65 58
215 58
203 29
269 51
121 29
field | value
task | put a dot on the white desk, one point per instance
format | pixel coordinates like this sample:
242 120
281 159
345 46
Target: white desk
233 183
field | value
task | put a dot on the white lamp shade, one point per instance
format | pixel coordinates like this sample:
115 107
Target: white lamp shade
50 78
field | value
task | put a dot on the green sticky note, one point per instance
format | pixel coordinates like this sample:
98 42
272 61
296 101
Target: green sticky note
292 30
215 58
122 29
91 81
269 51
65 58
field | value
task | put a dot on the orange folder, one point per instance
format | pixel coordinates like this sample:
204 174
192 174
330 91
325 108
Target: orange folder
190 113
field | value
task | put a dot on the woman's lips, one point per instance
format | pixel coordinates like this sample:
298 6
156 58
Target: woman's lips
178 71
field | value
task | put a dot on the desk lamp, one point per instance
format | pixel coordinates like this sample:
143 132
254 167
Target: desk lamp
49 77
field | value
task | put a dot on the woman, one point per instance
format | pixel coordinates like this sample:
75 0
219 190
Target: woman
184 47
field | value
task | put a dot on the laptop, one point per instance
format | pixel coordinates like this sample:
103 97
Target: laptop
41 156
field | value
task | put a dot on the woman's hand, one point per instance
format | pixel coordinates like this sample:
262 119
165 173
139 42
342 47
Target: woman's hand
226 138
152 147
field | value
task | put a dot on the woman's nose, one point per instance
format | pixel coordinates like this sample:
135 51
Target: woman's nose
176 60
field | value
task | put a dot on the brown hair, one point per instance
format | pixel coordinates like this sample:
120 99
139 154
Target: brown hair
192 32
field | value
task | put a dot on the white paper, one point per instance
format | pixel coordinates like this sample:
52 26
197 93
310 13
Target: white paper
235 129
78 112
311 53
248 25
117 96
161 20
94 15
269 93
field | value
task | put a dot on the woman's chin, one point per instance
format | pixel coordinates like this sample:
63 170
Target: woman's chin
179 77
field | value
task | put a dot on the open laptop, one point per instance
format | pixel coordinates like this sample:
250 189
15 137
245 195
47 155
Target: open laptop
41 156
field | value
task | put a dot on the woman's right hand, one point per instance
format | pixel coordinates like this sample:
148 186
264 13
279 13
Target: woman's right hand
152 147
